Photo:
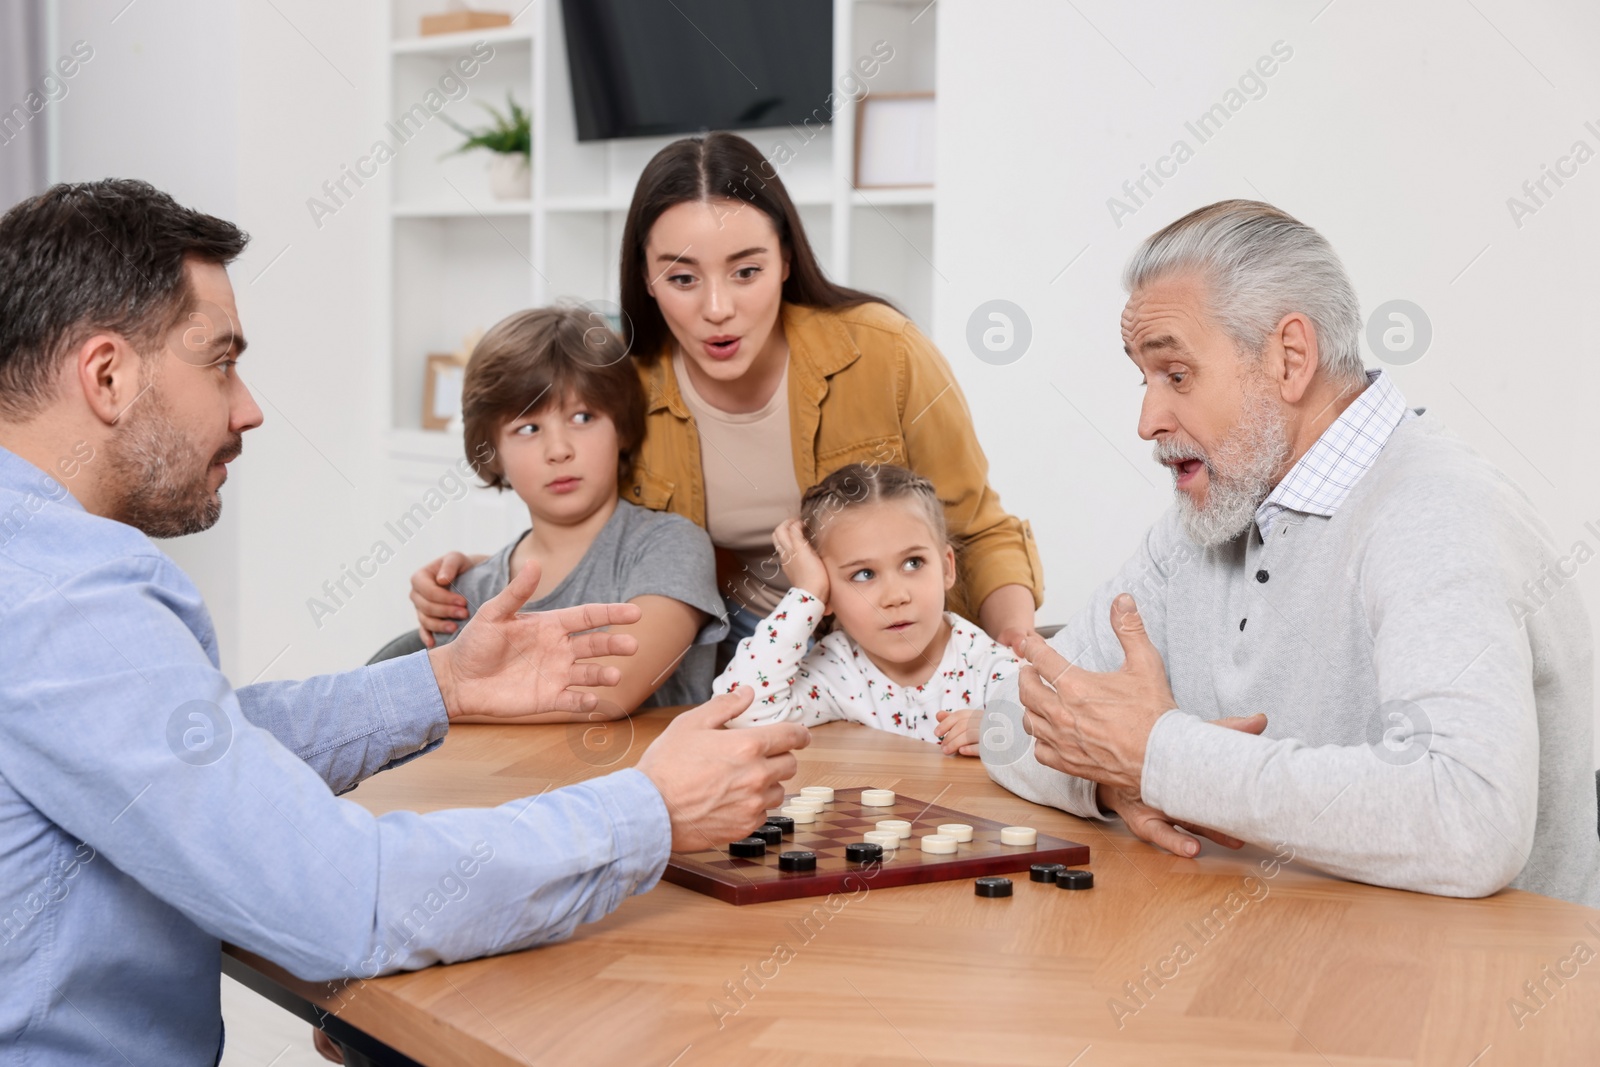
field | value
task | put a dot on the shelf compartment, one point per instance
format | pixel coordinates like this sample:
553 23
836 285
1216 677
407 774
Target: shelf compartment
447 43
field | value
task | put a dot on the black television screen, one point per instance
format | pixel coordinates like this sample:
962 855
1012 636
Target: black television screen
650 67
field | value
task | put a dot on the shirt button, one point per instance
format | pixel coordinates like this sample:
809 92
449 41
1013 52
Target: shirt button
1241 624
636 490
1262 576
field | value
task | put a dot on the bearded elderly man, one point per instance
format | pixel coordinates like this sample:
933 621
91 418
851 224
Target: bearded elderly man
1317 646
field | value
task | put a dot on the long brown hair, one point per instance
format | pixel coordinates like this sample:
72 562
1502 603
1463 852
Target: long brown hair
715 165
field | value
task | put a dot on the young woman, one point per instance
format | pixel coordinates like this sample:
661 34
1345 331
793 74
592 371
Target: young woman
761 376
764 377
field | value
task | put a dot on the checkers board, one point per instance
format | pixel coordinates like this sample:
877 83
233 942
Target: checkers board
844 822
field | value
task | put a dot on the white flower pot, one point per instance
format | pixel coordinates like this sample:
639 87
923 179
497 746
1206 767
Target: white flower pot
510 178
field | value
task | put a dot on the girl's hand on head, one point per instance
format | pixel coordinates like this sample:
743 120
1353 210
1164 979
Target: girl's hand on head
438 607
800 561
958 731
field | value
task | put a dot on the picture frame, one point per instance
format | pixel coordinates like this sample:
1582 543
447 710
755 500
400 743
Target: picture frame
462 20
895 141
441 390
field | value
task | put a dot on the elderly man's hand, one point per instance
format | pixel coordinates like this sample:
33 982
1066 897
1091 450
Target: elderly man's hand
506 662
1096 725
1156 826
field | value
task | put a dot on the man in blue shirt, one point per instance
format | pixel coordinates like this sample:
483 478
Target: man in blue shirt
148 810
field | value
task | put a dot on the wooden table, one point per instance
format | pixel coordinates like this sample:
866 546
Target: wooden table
1278 965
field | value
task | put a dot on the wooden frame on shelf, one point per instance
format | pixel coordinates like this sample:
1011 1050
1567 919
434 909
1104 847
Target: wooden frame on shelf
442 381
900 121
463 20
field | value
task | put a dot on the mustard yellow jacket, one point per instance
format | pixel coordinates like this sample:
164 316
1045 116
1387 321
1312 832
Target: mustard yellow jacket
865 386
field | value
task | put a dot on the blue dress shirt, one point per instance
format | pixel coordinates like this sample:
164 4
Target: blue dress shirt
149 811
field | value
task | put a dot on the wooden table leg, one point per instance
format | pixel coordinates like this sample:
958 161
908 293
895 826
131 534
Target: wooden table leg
361 1048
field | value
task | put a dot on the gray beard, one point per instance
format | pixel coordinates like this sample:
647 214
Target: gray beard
163 478
1239 472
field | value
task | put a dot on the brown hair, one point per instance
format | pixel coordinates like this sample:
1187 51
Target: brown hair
866 483
710 166
537 358
106 255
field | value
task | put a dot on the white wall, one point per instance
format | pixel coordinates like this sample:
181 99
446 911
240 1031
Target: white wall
157 100
1399 131
243 110
311 96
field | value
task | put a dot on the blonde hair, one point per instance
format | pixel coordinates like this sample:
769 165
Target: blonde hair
862 483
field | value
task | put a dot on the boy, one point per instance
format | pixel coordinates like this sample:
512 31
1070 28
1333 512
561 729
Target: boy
556 405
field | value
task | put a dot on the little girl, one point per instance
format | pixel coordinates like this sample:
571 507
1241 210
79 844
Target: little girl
870 548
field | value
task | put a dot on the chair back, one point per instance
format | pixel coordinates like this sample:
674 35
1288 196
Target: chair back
404 645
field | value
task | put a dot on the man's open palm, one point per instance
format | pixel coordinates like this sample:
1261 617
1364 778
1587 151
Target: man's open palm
506 663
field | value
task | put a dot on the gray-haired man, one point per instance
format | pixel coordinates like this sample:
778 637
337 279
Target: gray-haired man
1337 584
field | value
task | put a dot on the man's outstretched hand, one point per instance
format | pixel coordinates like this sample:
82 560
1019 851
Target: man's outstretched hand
719 784
506 663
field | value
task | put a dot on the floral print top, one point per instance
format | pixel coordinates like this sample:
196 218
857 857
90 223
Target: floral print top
836 681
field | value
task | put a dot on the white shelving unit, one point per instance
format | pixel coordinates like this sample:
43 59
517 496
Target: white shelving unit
461 260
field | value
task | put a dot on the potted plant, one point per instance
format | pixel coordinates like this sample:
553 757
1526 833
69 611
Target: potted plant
510 139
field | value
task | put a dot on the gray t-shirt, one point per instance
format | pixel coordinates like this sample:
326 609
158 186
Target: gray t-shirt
637 553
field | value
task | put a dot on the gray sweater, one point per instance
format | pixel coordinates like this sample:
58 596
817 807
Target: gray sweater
1425 664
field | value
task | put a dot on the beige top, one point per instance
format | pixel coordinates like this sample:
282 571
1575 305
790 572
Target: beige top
750 486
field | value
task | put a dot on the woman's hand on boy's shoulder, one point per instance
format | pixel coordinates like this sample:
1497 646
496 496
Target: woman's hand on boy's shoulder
800 562
437 606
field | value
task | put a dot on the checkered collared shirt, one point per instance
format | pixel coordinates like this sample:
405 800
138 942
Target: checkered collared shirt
1324 476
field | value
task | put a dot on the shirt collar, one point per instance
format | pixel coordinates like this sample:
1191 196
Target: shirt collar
1331 467
22 476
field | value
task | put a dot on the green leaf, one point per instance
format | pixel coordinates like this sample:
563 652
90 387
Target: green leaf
511 132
